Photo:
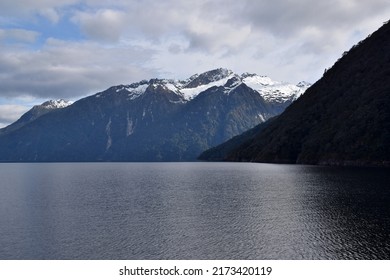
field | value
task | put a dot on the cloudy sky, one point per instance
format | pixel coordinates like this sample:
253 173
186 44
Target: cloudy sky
51 49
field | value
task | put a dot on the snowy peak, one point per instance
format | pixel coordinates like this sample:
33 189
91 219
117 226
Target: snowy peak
254 79
200 83
273 91
209 77
233 82
186 90
35 112
56 104
133 91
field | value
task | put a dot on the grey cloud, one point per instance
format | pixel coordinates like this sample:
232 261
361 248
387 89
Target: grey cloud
200 41
27 8
209 25
51 14
289 17
18 35
10 113
104 25
175 48
63 70
285 39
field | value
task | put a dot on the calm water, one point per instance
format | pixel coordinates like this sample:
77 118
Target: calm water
193 211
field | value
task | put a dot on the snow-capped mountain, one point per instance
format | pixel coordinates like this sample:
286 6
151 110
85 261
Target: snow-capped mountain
155 120
56 104
36 112
271 91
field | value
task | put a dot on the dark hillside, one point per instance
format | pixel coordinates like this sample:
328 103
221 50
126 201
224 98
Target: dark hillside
343 119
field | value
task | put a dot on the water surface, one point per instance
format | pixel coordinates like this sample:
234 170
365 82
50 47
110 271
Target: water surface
193 211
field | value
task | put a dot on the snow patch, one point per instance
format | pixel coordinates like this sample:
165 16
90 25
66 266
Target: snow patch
191 93
254 81
232 84
136 92
133 91
57 104
273 91
171 86
261 117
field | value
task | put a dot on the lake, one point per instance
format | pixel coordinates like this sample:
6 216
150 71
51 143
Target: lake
193 211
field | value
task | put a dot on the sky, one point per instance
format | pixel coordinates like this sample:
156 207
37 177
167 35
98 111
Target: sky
69 49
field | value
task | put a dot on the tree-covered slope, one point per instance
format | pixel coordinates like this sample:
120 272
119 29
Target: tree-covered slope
343 119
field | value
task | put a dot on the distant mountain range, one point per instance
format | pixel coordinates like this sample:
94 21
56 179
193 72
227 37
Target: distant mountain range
343 119
155 120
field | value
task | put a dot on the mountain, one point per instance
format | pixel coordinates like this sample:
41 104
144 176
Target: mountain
222 151
343 119
155 120
35 112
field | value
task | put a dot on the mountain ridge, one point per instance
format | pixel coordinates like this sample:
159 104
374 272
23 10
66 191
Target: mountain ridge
36 112
342 119
155 120
191 87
